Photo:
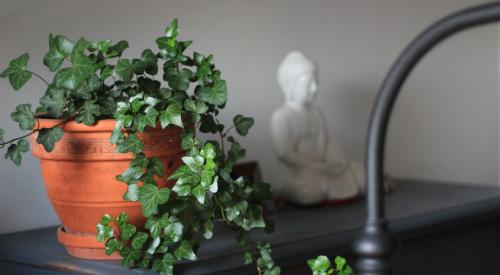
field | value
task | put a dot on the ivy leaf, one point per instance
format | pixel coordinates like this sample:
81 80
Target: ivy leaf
14 151
130 144
150 197
173 231
156 165
181 189
24 116
199 193
165 265
17 72
152 247
156 224
150 116
88 114
131 175
216 95
178 79
185 251
125 69
173 29
209 151
247 258
184 175
53 101
117 49
139 239
104 231
107 71
242 124
112 246
151 61
238 209
127 231
197 107
48 137
132 193
194 163
319 264
60 47
208 229
171 115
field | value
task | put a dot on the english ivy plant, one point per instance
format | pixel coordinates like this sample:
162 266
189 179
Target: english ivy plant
93 81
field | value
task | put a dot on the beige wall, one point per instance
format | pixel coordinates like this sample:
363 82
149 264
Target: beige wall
444 126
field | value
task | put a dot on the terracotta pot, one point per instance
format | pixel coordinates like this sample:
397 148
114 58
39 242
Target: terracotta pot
79 175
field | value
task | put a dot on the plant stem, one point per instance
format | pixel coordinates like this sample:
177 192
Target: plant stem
40 77
227 131
33 131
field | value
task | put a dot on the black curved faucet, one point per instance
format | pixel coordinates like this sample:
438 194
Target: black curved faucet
375 246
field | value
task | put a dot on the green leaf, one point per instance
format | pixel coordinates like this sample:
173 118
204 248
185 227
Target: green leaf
112 246
131 175
117 49
127 231
208 151
197 107
208 229
151 115
194 163
17 72
156 224
185 175
156 165
165 265
171 115
24 116
151 61
88 114
182 189
172 30
14 151
247 258
340 263
132 193
60 47
130 144
173 231
208 125
238 209
216 95
185 251
178 79
48 137
104 232
150 197
199 193
243 124
125 69
153 245
53 101
103 46
319 264
107 71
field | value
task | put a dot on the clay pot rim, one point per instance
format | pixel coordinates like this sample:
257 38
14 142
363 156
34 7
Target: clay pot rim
102 125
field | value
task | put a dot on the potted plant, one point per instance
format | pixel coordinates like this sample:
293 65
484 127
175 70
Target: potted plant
117 148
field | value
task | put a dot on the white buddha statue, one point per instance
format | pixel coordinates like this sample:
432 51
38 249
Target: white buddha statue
318 170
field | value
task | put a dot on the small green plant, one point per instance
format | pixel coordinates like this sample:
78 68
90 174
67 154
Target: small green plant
321 265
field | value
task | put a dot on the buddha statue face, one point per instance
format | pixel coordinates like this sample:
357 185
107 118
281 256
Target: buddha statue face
298 79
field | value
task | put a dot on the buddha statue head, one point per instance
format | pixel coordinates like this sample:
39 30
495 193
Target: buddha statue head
297 76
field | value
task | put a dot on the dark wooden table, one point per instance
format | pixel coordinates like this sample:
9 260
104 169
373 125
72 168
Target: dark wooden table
442 228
